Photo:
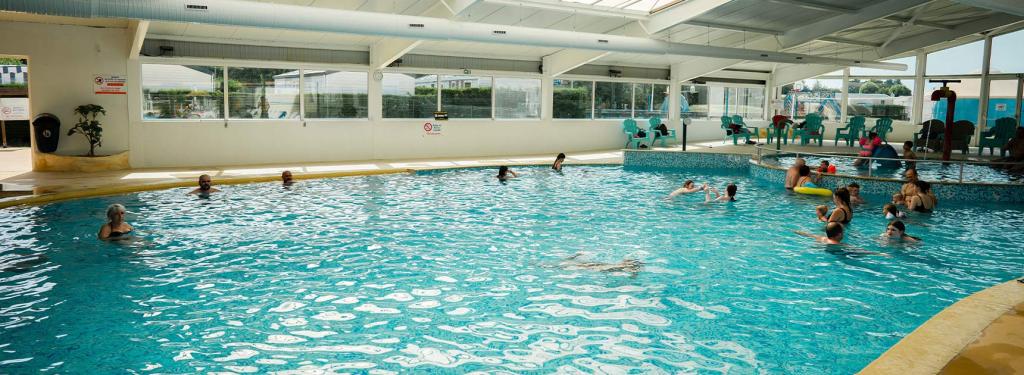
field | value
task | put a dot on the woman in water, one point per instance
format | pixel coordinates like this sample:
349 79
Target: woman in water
688 187
730 194
557 166
897 231
505 174
805 179
921 198
842 214
116 227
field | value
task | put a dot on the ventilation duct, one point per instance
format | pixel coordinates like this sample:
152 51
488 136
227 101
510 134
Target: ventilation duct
294 17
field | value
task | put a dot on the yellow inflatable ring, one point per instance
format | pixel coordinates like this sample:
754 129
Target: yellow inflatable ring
813 191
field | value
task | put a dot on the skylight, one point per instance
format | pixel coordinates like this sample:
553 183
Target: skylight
649 6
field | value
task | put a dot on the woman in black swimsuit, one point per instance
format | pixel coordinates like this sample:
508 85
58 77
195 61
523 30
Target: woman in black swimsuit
116 228
921 200
842 214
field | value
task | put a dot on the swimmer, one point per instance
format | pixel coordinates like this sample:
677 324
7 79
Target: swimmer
793 173
557 166
909 155
116 227
921 198
505 174
897 231
825 167
833 234
688 187
891 212
854 189
805 179
205 186
842 214
906 189
730 194
898 199
631 266
286 178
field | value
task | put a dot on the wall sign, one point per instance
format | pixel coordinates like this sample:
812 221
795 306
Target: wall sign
432 128
1001 107
14 109
441 115
108 84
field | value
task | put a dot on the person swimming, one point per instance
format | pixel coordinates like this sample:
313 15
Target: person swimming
921 198
116 227
854 189
842 213
891 212
688 187
730 194
897 231
833 234
628 265
557 166
505 174
286 179
805 179
205 186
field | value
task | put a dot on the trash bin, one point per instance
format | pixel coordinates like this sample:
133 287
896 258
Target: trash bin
47 129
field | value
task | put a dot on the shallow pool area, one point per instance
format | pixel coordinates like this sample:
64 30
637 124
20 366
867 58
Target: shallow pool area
927 170
453 271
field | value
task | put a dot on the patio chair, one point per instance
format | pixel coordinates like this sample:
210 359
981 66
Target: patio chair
853 129
930 130
812 130
779 129
883 126
734 130
633 137
998 136
654 122
963 130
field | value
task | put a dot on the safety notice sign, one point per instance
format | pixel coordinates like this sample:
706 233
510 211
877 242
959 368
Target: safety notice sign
108 84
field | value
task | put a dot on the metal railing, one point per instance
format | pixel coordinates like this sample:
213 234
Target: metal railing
762 151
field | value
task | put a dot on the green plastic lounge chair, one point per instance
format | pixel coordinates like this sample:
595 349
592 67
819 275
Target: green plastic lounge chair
998 136
728 127
851 132
779 129
656 135
737 119
930 130
883 126
632 134
812 130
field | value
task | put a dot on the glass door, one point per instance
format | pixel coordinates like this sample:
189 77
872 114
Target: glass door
1003 100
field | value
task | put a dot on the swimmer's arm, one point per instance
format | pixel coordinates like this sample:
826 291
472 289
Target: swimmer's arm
834 217
104 232
805 234
677 192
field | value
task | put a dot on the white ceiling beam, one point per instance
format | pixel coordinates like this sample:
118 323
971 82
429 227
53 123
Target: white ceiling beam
568 59
731 27
574 8
939 36
701 66
792 73
832 39
386 51
459 7
1014 7
816 6
679 13
903 27
916 22
807 33
139 30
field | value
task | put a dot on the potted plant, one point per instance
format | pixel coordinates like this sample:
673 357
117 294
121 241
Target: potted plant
88 126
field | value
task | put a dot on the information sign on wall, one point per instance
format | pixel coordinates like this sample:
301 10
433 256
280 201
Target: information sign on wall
109 84
13 109
432 128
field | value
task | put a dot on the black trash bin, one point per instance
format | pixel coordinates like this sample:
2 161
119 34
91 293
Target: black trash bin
47 128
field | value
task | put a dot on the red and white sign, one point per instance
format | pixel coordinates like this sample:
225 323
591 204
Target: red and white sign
14 109
432 128
108 84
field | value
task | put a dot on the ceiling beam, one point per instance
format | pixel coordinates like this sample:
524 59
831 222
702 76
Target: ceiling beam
574 8
701 66
789 74
832 39
807 33
916 22
939 36
139 30
1013 7
385 51
731 27
679 13
459 7
568 59
816 6
904 26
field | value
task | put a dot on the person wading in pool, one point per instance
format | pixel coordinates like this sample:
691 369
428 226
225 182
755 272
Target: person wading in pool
805 179
921 198
286 179
557 166
504 174
730 194
833 234
854 189
116 227
205 186
897 231
793 173
688 187
842 213
907 189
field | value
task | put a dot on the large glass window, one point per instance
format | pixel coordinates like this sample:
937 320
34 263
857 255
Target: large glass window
750 102
572 99
466 96
1002 101
613 100
874 98
1006 53
260 93
516 98
408 95
334 94
650 100
911 63
965 59
694 101
182 92
819 96
967 93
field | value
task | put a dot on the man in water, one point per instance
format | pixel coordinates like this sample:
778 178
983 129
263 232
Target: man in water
833 234
205 186
286 178
793 173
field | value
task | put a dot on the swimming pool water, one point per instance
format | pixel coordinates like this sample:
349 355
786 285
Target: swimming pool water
926 170
453 272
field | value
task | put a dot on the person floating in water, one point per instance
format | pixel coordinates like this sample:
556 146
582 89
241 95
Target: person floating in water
730 194
286 179
205 186
833 234
825 167
116 227
557 166
505 174
897 231
630 266
688 187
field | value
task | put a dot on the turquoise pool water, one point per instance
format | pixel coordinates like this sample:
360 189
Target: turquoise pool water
453 272
926 170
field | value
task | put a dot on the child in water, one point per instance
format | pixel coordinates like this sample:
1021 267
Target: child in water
891 212
897 231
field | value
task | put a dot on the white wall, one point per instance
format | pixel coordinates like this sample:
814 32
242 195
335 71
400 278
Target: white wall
63 60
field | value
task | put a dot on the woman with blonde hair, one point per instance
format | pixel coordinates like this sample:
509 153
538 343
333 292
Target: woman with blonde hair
116 227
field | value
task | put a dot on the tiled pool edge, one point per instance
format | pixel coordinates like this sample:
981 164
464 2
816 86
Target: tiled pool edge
930 347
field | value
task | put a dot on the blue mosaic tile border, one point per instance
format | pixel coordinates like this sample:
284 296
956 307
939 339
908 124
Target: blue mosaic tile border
683 160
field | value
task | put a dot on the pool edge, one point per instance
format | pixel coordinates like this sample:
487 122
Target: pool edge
940 339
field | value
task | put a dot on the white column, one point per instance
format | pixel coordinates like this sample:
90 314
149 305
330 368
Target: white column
917 108
845 96
547 98
769 99
374 98
983 99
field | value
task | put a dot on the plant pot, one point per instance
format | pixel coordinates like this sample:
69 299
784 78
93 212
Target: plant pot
65 163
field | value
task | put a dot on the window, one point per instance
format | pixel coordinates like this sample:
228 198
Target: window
466 96
572 99
409 95
965 59
334 94
1006 56
613 100
749 102
182 92
260 93
967 93
874 98
650 100
516 98
1002 101
819 96
694 101
911 63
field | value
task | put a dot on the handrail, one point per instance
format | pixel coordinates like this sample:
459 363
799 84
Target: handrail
871 160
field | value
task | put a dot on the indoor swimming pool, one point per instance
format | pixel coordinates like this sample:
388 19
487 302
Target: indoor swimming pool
454 272
927 170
